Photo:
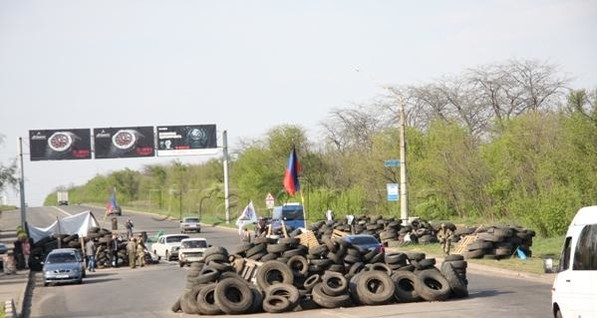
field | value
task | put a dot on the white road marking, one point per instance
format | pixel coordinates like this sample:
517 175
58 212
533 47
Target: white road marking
61 210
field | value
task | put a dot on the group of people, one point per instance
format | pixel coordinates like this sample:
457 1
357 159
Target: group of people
135 249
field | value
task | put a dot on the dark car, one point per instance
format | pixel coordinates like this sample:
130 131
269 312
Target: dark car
63 265
364 242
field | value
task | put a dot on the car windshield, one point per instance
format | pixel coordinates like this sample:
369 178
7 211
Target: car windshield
293 212
61 258
192 220
363 240
194 244
175 239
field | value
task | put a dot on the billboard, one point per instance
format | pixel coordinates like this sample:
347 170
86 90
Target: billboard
125 142
186 140
63 144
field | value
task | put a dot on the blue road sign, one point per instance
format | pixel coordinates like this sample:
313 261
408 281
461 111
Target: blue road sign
392 163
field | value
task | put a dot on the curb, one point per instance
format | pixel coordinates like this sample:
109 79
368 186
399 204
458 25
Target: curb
10 311
27 293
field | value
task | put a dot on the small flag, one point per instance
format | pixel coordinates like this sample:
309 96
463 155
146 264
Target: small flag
247 217
112 203
291 181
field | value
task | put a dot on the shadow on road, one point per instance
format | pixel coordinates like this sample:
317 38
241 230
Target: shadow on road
99 280
487 293
96 274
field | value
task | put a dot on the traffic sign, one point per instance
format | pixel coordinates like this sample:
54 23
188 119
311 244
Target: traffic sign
392 163
392 189
269 201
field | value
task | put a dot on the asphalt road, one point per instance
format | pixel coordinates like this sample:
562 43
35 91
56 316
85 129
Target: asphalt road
150 291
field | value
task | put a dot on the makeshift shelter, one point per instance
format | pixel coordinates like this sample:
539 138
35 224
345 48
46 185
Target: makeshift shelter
74 224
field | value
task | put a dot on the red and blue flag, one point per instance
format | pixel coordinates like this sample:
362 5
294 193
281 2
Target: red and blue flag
291 181
112 203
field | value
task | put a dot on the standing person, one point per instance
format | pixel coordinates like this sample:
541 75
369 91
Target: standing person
18 253
129 228
26 246
140 251
131 248
261 225
246 236
114 250
90 250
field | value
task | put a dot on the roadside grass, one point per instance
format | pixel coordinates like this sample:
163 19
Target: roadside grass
542 248
2 313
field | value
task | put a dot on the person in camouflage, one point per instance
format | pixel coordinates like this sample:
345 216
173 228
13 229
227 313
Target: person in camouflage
444 236
131 248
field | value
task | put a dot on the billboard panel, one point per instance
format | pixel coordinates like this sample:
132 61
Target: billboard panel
62 144
187 140
124 142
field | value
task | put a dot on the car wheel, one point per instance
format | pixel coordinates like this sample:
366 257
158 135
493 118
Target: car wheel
181 264
558 314
80 281
46 284
199 231
167 257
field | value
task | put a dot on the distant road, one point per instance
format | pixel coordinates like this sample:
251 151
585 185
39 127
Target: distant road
150 291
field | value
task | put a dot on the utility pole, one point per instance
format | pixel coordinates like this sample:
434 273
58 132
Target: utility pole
403 192
225 159
22 183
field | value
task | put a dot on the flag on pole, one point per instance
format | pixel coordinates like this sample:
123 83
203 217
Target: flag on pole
248 216
291 181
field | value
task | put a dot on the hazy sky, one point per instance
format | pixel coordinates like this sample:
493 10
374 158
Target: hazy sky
247 66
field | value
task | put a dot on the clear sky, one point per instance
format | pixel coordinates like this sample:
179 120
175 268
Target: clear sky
247 66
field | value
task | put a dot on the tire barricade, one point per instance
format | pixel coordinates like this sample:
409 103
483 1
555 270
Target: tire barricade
498 242
103 258
332 275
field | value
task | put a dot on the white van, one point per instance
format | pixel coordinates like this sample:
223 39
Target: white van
574 292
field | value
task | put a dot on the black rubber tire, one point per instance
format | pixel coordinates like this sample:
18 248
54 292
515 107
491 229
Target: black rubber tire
458 284
215 250
276 304
322 262
290 253
327 301
474 254
289 240
319 250
256 249
453 257
184 304
311 281
272 272
479 245
243 248
415 256
277 248
257 300
334 284
221 267
258 256
269 257
176 306
375 288
395 258
351 259
299 265
285 290
405 286
337 268
432 285
207 275
459 264
216 257
206 302
424 263
379 267
233 296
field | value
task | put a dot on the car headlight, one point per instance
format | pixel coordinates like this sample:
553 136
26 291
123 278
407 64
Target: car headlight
75 270
48 273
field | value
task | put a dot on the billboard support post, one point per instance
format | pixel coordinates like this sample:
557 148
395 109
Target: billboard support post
22 183
225 161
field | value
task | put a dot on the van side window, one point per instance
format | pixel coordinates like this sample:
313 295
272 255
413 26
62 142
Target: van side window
586 249
565 257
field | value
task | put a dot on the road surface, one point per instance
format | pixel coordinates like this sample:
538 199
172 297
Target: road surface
150 291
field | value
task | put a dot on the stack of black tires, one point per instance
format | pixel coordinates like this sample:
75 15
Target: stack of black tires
497 242
332 275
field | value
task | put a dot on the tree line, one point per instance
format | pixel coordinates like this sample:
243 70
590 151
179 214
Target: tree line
508 142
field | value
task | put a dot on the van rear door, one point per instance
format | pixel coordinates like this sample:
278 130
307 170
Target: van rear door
584 271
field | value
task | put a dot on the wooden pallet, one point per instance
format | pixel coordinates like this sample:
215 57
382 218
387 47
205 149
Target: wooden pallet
338 234
308 239
464 243
249 269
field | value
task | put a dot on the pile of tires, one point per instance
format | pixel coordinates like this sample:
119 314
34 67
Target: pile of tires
42 247
497 242
332 275
389 231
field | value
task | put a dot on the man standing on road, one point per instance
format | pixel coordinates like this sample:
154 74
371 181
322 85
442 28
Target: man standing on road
131 249
114 250
90 250
26 251
129 228
140 251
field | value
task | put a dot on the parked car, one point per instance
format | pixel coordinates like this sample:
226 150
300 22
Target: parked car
364 242
167 246
63 265
3 248
190 224
115 210
573 292
191 250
